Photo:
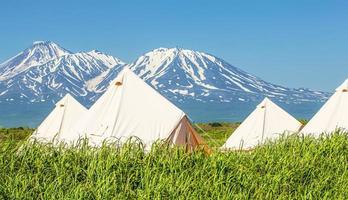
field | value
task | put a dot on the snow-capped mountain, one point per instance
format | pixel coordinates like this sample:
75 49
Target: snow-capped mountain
183 75
40 53
45 72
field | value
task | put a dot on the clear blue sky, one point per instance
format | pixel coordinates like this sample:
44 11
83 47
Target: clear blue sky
293 43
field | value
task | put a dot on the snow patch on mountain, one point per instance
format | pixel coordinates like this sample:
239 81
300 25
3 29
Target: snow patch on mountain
38 54
46 71
198 75
56 74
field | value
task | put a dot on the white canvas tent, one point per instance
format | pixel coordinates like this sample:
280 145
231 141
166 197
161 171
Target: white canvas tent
266 122
60 120
131 108
332 115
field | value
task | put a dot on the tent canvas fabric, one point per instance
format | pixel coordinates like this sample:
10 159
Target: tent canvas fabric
267 122
60 120
332 115
185 135
131 108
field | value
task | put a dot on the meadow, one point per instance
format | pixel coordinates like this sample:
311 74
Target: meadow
293 167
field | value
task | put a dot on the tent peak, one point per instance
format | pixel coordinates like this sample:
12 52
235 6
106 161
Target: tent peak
264 102
332 115
57 124
63 100
135 109
265 123
343 87
68 95
118 81
67 99
126 69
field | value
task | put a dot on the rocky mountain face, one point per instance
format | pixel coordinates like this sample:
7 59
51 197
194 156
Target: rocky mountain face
45 72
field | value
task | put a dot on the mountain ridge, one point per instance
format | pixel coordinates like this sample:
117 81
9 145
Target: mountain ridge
198 74
60 73
46 71
39 53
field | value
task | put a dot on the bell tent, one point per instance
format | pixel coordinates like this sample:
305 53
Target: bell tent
333 114
266 122
60 120
131 108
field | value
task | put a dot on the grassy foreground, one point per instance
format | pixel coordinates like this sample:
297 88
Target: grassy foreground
291 168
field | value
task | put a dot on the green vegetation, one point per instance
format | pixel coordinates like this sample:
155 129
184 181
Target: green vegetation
216 134
292 168
15 134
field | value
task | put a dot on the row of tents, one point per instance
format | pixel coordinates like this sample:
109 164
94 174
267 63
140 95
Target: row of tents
131 108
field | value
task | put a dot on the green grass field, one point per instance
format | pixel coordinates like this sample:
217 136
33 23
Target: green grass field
292 168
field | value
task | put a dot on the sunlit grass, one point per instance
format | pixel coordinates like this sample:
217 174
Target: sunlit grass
290 168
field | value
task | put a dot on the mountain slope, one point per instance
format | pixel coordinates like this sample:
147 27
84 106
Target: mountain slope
55 75
40 53
182 75
47 71
197 82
